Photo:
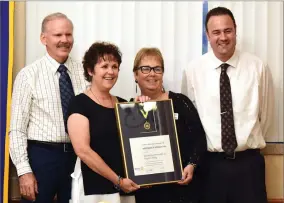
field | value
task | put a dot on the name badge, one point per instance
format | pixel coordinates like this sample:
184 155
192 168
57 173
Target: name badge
176 116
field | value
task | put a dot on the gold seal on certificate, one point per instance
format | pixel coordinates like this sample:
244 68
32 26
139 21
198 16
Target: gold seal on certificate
149 142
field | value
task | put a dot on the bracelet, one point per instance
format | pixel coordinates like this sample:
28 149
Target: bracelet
193 164
117 186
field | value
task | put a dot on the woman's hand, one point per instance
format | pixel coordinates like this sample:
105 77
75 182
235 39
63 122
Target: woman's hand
128 185
142 98
187 175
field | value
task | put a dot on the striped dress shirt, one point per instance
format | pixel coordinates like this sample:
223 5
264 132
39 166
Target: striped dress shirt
36 112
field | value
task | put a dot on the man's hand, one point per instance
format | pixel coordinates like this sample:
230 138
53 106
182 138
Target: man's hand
187 175
28 186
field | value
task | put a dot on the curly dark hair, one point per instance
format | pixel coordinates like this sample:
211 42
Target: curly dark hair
96 51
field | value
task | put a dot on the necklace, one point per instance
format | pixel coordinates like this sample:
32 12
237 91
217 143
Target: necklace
99 100
159 97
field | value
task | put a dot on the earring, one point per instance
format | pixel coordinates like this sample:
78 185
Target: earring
136 86
163 89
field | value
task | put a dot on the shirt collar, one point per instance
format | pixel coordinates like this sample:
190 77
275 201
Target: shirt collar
55 65
233 61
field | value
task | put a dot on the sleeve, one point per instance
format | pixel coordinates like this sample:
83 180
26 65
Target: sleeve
20 115
266 100
77 105
186 84
198 144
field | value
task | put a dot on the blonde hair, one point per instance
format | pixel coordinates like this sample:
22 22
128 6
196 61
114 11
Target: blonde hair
148 51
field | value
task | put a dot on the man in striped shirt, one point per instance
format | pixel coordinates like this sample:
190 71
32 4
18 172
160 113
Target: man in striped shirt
39 144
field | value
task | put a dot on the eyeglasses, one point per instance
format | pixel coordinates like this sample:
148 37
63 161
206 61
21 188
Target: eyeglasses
148 69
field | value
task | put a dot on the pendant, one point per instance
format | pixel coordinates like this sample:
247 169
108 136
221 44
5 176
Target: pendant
147 125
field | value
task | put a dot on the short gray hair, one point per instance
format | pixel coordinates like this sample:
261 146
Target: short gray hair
51 17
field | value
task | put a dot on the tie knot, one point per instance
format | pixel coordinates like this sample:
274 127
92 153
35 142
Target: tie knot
62 68
224 67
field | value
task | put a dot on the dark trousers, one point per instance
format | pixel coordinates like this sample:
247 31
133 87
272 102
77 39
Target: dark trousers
171 193
52 166
239 180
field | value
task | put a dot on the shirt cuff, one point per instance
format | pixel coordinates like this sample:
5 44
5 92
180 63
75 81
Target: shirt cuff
23 168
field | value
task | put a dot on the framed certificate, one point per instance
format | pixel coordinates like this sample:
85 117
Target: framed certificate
149 142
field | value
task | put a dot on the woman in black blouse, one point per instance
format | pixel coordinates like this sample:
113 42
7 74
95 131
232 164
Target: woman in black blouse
93 132
148 72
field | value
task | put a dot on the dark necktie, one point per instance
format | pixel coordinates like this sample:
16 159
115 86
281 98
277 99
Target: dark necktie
229 142
66 91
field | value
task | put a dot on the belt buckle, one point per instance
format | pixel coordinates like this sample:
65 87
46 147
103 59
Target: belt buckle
231 156
67 148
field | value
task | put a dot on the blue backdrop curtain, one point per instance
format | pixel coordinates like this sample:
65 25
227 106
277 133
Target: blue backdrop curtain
6 59
204 37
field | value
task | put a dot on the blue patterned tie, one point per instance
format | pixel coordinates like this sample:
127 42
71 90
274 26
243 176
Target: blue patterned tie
66 91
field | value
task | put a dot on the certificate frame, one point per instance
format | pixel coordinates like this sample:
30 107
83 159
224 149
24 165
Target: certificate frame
149 142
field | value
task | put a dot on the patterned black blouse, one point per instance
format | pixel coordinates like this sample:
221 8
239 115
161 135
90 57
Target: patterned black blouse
191 135
192 142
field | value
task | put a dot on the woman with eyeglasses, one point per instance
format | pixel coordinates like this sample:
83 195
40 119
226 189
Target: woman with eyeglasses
148 72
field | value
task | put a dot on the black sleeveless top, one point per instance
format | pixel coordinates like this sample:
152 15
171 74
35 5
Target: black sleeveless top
104 140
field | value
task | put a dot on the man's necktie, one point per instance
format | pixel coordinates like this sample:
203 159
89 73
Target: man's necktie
229 142
66 91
